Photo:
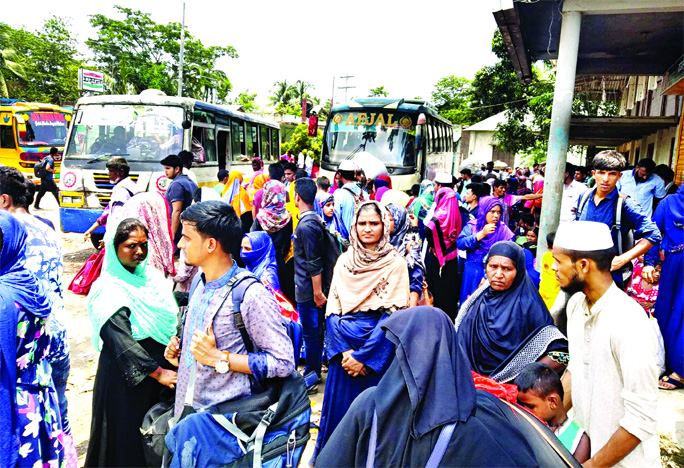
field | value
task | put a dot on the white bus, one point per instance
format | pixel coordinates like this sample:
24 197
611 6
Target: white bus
144 129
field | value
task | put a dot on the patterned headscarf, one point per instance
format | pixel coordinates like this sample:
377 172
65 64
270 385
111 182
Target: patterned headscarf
273 216
366 279
401 224
151 209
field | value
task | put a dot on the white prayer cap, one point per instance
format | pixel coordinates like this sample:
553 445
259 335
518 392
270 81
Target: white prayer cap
444 178
583 236
347 165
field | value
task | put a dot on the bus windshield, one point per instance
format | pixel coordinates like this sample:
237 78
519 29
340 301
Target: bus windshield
389 136
140 132
41 128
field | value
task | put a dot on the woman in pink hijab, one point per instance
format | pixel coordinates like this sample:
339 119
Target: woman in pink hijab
441 232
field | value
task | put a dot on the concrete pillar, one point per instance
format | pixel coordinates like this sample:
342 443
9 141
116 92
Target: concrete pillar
559 133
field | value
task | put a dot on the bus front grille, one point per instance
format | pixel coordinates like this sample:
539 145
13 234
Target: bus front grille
102 183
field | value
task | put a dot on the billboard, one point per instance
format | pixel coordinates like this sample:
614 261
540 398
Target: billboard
90 80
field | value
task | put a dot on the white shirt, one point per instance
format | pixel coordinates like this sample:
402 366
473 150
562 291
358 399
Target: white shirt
614 373
571 195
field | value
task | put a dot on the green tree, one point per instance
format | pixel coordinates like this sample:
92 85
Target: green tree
452 98
247 101
140 53
379 91
300 141
9 61
300 90
49 61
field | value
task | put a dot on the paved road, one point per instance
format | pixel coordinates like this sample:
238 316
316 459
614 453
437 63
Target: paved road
84 358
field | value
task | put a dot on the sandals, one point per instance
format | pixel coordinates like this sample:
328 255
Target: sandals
676 384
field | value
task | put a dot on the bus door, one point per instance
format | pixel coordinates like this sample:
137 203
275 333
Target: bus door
223 145
8 144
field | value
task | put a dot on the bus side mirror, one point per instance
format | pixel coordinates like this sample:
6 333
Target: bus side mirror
186 124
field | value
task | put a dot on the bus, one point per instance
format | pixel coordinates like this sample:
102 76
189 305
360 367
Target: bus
387 129
144 129
27 132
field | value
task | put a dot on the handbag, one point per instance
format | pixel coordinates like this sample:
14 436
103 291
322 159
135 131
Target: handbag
89 272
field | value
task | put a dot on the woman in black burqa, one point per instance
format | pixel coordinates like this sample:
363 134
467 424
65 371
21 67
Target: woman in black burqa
427 386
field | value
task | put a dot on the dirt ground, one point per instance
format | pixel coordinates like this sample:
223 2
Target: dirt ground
84 358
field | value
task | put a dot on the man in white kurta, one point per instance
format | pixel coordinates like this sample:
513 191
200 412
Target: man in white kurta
612 352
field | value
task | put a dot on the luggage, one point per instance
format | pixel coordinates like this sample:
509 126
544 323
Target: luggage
269 429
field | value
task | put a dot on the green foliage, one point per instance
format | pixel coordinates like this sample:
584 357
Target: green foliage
138 53
39 66
379 91
452 97
300 141
287 99
247 101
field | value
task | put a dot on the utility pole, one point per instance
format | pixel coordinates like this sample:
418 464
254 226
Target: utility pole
182 51
346 85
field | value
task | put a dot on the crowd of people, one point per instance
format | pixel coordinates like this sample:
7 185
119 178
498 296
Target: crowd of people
427 309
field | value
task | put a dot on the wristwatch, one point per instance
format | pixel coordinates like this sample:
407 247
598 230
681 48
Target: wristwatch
223 366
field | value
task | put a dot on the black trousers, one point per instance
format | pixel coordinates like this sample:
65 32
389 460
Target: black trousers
46 185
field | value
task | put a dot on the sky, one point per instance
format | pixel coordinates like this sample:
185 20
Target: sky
404 46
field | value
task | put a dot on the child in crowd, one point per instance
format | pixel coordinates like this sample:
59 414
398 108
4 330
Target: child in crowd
548 286
540 390
640 289
525 224
532 235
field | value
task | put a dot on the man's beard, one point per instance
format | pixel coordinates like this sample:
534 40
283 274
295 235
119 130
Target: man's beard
576 285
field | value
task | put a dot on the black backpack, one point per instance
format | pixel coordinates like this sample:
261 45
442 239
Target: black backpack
40 169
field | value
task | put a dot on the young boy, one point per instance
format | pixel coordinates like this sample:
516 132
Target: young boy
548 286
540 390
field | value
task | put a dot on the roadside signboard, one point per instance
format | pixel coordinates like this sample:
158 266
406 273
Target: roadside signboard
90 80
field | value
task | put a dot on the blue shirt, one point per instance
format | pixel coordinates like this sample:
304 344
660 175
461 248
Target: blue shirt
181 189
633 217
642 192
344 205
51 163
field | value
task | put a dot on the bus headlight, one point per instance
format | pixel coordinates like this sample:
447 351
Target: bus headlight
72 200
69 179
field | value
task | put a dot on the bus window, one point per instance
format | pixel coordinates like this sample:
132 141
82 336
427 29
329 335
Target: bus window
236 139
265 145
431 138
209 143
252 141
203 117
7 137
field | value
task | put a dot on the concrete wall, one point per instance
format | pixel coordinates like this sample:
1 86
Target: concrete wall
662 141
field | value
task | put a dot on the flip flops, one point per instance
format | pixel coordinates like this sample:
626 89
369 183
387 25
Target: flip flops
677 385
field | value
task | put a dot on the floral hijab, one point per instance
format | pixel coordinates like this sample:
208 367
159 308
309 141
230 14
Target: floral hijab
273 215
425 200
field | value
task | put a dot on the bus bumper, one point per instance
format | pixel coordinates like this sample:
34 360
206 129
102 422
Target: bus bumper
79 220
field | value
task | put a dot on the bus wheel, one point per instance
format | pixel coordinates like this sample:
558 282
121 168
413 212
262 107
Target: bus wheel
95 239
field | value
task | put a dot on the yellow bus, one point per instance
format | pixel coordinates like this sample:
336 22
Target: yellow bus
28 130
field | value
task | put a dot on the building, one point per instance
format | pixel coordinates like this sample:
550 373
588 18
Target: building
632 47
478 143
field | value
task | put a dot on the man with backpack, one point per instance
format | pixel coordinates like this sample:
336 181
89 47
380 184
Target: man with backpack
348 196
224 320
45 171
308 266
624 217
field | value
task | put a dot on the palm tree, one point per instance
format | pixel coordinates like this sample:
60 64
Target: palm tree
299 90
9 60
282 94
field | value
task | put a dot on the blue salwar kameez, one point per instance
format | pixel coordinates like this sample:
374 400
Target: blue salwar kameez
669 307
361 332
